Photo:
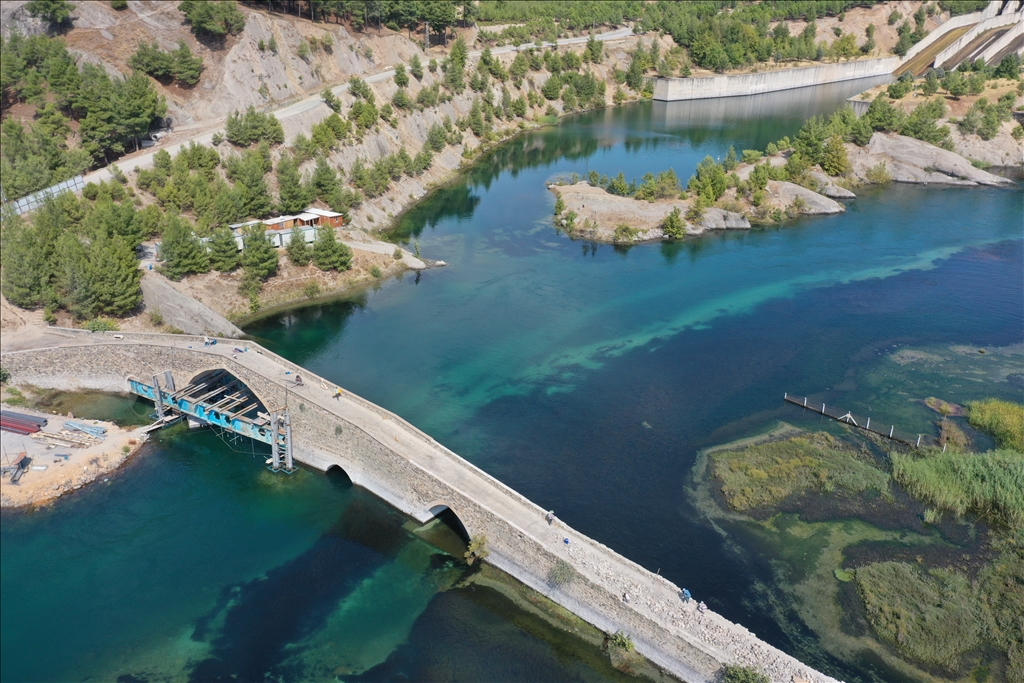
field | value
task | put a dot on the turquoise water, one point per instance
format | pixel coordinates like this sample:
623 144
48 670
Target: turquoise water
585 376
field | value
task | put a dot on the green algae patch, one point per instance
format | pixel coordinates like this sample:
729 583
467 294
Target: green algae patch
931 617
763 474
1002 419
988 484
1001 594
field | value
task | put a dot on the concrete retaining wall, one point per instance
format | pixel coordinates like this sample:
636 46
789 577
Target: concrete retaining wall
995 48
965 39
952 23
676 89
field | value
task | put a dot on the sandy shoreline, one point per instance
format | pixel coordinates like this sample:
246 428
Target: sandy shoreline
63 475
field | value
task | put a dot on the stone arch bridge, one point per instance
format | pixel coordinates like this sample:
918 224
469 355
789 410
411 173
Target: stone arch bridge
382 453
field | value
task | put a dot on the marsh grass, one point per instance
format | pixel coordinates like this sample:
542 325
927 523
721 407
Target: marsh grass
764 474
989 484
1001 419
932 617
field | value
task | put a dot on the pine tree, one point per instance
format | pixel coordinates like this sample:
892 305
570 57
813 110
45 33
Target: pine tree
673 226
325 179
299 252
955 84
259 258
115 276
401 77
292 193
329 253
223 250
24 263
416 67
931 84
181 250
834 160
73 280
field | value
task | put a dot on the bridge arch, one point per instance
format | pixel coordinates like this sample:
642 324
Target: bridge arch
339 476
442 511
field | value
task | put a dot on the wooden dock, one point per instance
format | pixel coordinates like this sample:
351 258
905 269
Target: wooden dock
863 424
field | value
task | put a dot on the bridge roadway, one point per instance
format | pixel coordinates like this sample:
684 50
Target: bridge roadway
404 466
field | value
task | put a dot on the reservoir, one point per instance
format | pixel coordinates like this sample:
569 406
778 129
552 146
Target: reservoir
587 377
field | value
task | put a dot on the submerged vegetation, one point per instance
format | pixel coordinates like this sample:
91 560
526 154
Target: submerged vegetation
764 474
947 616
932 617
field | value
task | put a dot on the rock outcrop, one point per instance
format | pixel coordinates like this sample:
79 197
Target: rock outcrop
786 194
915 161
599 215
828 187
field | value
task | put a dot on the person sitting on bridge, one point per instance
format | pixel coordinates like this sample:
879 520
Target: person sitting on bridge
337 393
549 517
702 607
298 380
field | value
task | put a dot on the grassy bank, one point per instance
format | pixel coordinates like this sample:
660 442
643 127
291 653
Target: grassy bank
1001 419
990 485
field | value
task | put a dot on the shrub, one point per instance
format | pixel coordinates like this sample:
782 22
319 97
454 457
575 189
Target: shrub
624 233
477 549
312 289
744 674
561 574
102 325
695 212
673 226
751 156
878 174
620 641
156 317
118 4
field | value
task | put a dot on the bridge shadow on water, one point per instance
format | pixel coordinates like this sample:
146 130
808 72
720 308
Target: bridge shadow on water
258 629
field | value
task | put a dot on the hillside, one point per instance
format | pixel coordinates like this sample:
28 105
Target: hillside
387 143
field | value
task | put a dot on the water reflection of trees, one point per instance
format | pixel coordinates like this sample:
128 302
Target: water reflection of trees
301 334
527 151
456 200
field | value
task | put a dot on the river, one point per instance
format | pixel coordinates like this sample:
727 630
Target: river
585 376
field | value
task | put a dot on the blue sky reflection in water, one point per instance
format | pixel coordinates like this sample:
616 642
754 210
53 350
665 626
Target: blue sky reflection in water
587 377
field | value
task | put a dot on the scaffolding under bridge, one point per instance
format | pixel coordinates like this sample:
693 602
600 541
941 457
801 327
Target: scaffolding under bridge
219 399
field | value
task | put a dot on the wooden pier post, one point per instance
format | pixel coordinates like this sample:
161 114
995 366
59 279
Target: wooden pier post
890 430
805 401
822 408
918 441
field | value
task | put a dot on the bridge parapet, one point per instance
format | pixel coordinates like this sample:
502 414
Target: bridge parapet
396 461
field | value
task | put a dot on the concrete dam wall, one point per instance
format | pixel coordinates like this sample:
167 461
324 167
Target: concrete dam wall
677 89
